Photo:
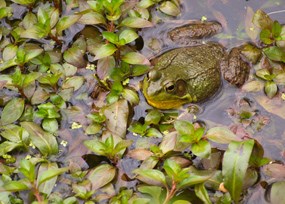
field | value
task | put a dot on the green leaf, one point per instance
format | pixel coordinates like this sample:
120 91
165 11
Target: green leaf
14 186
169 8
90 17
14 133
195 177
50 125
48 185
73 82
105 51
24 2
65 22
153 117
276 193
265 36
146 3
221 135
135 58
155 193
139 70
138 128
153 132
27 168
171 168
111 37
131 96
270 89
263 73
8 146
49 174
184 127
136 22
201 149
128 35
101 175
12 111
44 141
235 164
276 29
96 146
275 53
202 193
151 176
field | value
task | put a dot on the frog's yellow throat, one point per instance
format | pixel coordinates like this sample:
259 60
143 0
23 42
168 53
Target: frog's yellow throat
166 104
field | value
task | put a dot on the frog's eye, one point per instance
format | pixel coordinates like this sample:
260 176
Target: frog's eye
154 75
170 87
181 87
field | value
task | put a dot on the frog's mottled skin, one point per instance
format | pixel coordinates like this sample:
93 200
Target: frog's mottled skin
197 69
192 74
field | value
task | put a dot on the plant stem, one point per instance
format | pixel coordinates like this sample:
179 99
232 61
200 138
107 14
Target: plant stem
171 193
37 194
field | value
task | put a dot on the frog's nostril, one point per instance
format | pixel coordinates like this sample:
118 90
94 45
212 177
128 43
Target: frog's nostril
154 75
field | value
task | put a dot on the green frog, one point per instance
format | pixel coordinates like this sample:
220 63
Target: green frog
193 73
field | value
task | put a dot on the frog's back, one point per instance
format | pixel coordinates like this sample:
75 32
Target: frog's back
198 66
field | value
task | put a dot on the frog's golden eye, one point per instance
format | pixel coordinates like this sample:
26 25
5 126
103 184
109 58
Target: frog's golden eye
170 87
154 75
181 87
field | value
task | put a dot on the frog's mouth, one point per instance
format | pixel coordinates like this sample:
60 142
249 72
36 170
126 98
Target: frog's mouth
161 101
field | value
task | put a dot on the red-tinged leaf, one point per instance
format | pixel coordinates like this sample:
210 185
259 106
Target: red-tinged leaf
135 58
105 51
136 22
139 154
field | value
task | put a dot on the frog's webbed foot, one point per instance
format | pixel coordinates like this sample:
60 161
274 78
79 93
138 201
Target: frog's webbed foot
234 68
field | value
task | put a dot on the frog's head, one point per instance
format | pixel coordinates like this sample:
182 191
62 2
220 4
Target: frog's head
164 91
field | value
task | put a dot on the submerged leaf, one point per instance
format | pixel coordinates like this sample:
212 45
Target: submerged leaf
12 111
221 135
235 164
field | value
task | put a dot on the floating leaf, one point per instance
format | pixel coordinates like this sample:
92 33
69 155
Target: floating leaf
105 51
169 8
101 175
275 194
253 86
73 82
65 22
201 149
235 164
90 17
44 141
128 35
270 89
275 53
12 111
262 20
151 176
221 135
136 22
135 58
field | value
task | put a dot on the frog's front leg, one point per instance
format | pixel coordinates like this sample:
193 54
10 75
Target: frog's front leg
235 68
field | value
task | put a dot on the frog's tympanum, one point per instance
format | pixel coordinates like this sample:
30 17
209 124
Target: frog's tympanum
192 73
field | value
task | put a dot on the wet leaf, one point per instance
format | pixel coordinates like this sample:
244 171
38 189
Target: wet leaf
253 86
12 111
136 22
131 96
151 176
201 149
250 29
251 52
40 96
49 174
262 20
91 18
128 35
75 54
65 22
221 135
44 141
9 52
153 117
274 170
101 175
169 8
275 194
14 186
139 70
270 89
275 53
14 133
202 193
8 146
27 168
168 142
116 117
50 125
139 154
154 192
235 164
146 3
195 177
104 66
105 51
135 58
152 132
73 82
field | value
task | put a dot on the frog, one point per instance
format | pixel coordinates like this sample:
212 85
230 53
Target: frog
193 72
